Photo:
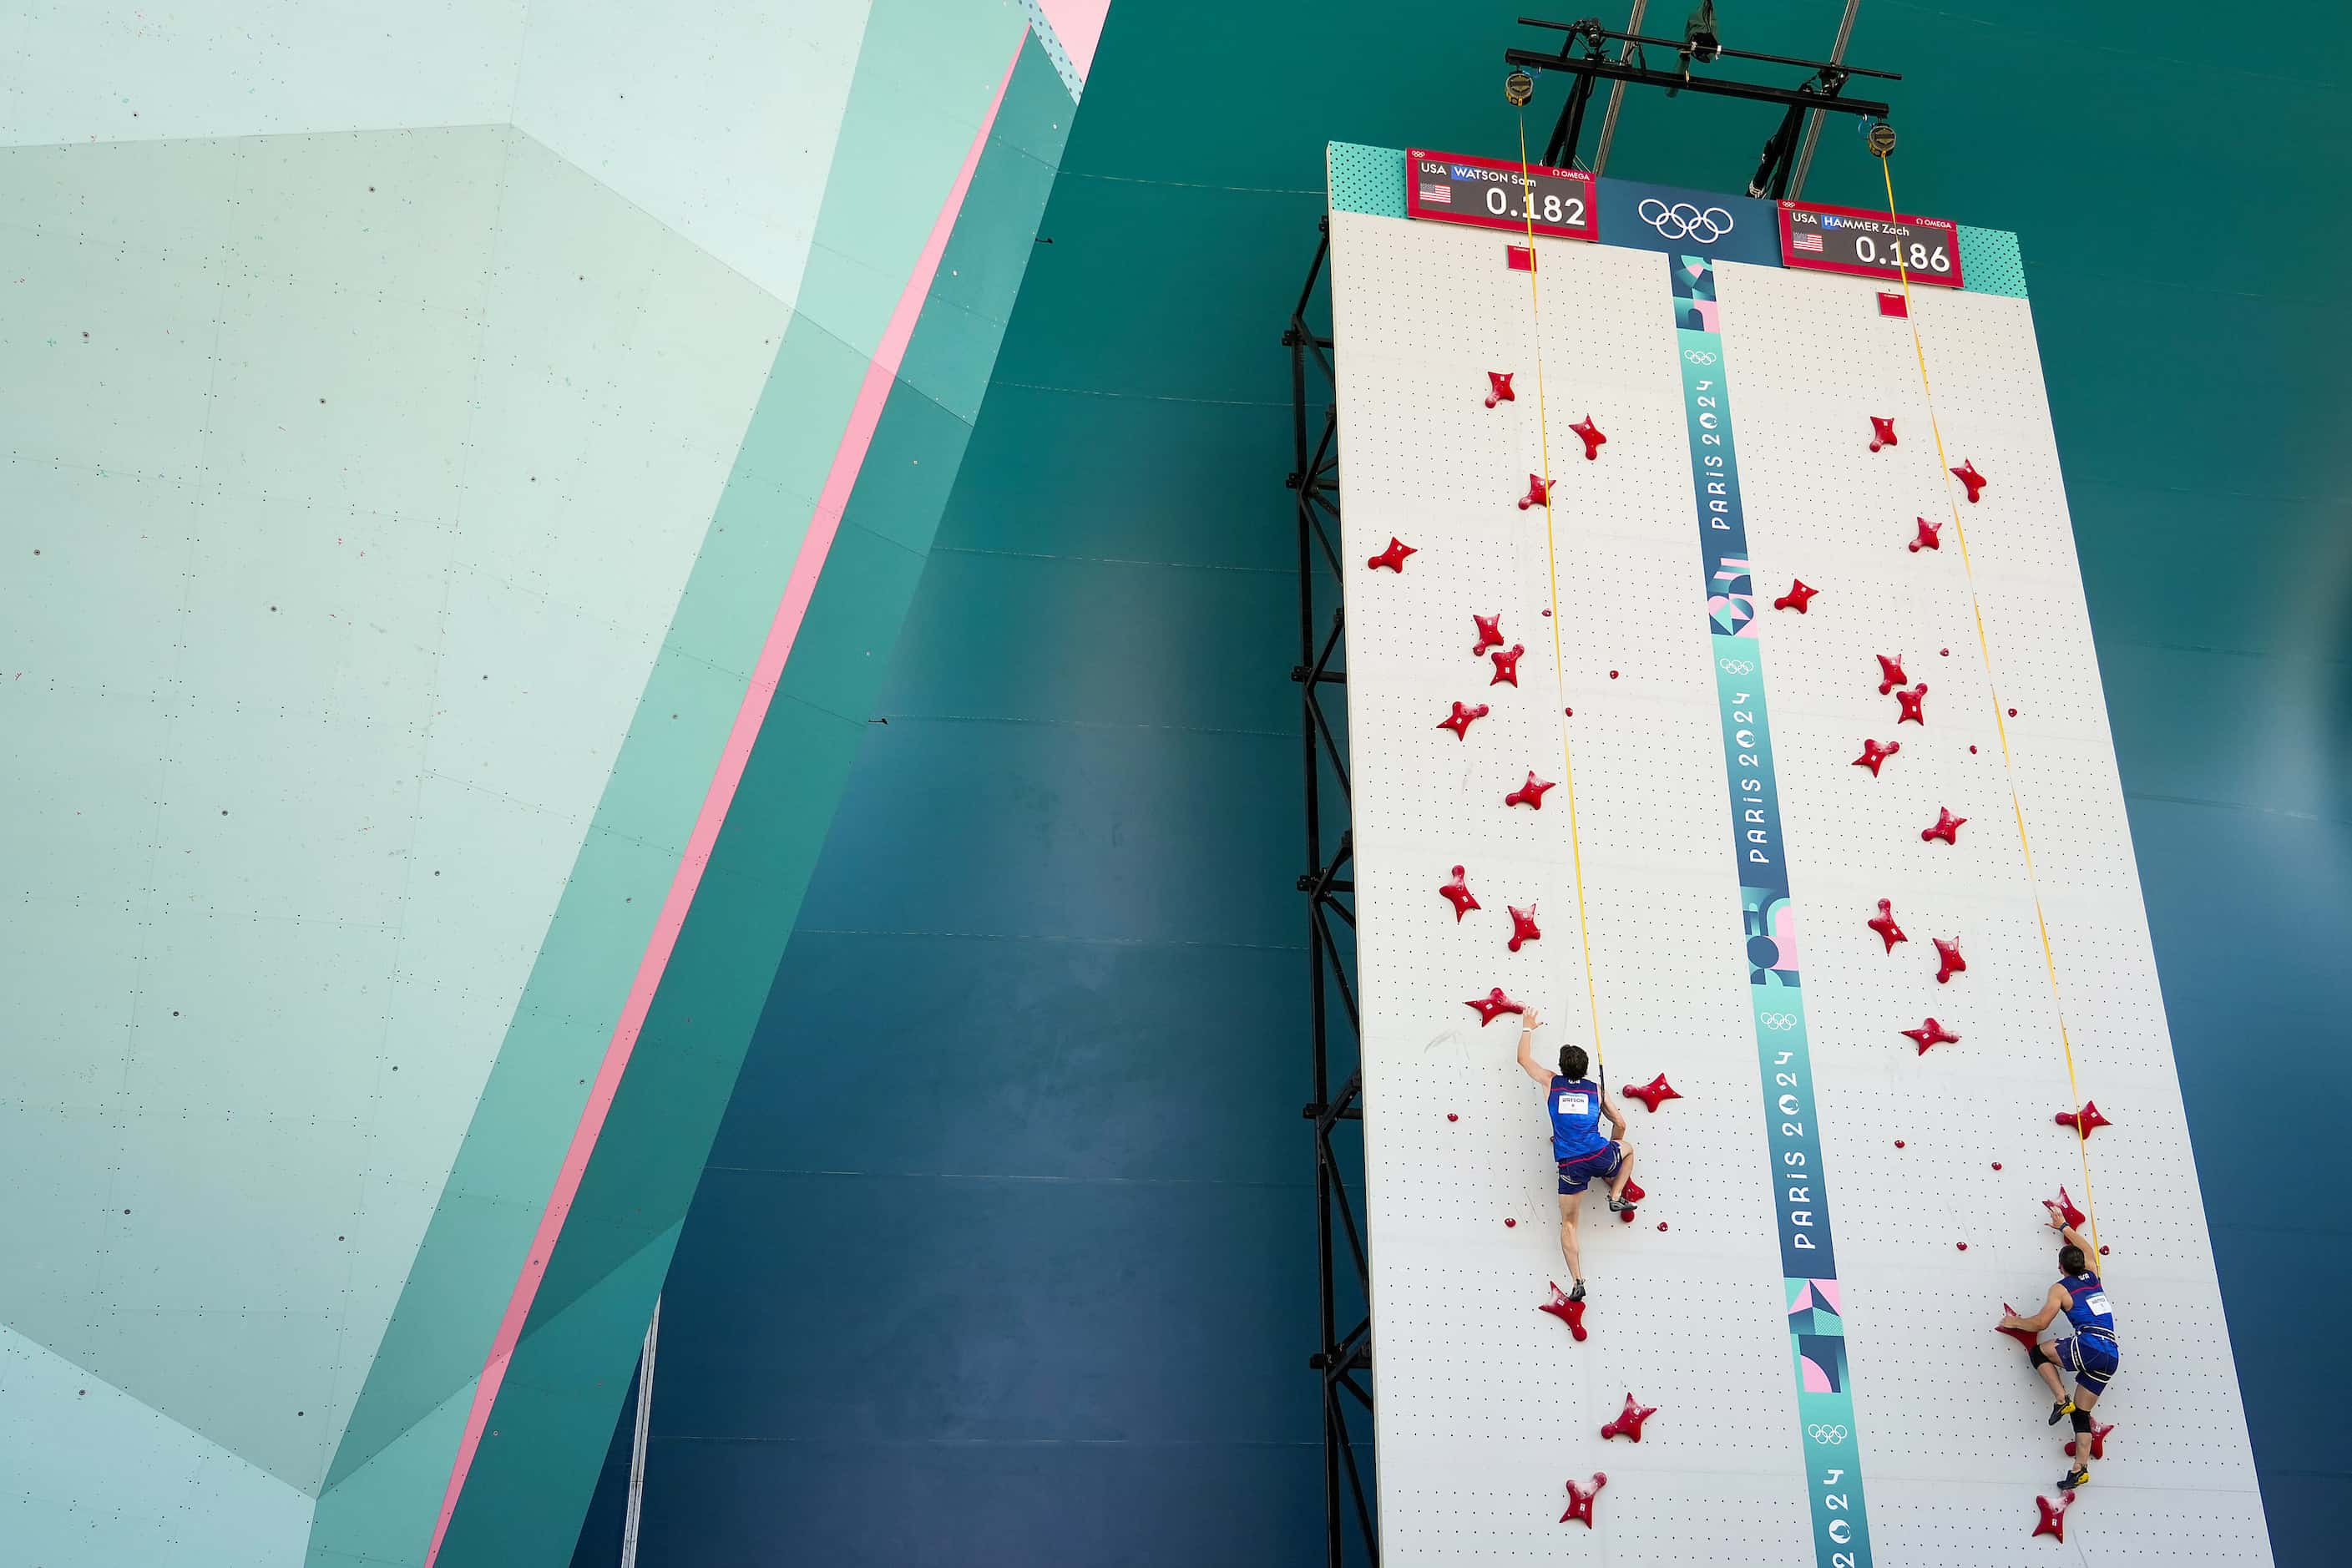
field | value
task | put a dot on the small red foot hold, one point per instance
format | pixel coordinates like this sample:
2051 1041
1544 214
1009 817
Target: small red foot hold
1968 477
1875 752
1996 1164
1460 718
1498 388
1882 433
2065 1206
1655 1093
2025 1337
1522 926
1884 925
1931 1033
2054 1516
1662 1224
1453 1116
1594 439
1567 1312
2086 1122
1898 1143
1457 893
1539 493
1490 632
1393 556
1890 674
1508 1222
1796 597
1529 794
1633 1195
1506 665
1930 537
1961 1245
1580 1499
1493 1005
1948 961
1627 1423
1907 705
1948 827
2098 1440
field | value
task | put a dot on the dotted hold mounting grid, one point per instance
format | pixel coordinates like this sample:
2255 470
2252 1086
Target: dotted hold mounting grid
1485 1405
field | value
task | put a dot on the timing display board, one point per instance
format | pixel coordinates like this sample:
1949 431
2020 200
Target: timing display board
1451 187
1870 244
1829 1388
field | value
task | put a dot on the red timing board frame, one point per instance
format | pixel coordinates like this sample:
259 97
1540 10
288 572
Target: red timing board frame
1516 224
1791 256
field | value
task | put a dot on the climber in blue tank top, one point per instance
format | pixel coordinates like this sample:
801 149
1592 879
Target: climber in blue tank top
2092 1353
1577 1105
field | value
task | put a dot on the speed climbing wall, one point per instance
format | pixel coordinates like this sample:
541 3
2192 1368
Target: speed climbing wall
1850 1184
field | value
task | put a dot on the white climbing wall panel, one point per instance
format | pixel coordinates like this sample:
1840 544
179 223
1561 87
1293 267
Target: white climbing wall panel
1486 1406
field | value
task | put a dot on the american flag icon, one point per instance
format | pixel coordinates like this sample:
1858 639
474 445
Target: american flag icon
1807 241
1437 193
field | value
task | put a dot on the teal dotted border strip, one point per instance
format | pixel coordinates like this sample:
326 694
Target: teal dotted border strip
1991 263
1371 180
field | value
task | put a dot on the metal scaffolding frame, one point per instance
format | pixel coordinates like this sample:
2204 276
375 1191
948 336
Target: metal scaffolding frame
1331 923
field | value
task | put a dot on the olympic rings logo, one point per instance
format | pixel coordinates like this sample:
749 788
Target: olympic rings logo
1696 357
1820 1434
1684 221
1780 1023
1736 666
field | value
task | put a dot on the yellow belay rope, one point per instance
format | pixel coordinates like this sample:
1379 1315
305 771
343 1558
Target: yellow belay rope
2009 766
1551 556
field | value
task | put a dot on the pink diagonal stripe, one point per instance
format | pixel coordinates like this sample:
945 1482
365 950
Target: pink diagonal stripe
847 459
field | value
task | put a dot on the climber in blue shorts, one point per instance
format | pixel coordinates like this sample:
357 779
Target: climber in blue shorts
1577 1105
2092 1355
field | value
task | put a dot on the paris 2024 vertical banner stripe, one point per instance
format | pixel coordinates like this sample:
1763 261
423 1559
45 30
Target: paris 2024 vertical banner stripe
1800 1195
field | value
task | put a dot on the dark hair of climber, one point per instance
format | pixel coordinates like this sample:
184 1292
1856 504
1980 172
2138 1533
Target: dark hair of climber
1578 1106
2092 1353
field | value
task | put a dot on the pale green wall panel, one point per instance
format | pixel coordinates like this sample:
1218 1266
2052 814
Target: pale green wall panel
89 1474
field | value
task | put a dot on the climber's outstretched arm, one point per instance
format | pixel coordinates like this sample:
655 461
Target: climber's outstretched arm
1534 1069
2052 1305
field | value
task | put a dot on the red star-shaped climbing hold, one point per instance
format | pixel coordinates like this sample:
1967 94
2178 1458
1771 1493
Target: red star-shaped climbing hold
1393 556
2098 1440
2065 1208
1594 439
1490 631
1885 924
1930 537
1567 1312
1655 1093
1948 961
1506 665
1539 493
2054 1516
1529 794
1948 827
1931 1033
1522 926
1493 1005
1882 433
1634 1194
1498 388
1580 1499
1627 1423
2084 1122
1796 597
1906 703
1890 674
1875 752
1457 893
2025 1337
1968 477
1459 720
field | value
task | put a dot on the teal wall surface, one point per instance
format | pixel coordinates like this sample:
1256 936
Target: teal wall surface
1044 1262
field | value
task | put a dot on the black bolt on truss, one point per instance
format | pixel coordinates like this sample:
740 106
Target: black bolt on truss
1330 892
1824 90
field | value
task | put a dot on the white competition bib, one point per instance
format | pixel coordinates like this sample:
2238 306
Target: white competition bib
1575 1104
2096 1301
